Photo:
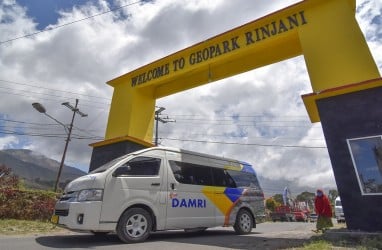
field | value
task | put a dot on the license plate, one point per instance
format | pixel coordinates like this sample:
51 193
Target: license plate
54 219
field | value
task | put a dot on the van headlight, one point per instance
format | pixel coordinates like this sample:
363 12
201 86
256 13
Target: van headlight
90 195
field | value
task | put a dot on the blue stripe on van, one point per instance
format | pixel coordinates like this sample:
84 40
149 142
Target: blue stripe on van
233 193
247 168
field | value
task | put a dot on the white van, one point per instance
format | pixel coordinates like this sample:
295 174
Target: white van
161 189
338 210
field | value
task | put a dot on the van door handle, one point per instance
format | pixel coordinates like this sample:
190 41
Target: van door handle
155 184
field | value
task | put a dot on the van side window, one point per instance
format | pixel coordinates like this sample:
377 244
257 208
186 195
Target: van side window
188 173
181 173
142 166
244 179
203 175
222 178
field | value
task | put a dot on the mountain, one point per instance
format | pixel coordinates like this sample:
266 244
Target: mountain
37 171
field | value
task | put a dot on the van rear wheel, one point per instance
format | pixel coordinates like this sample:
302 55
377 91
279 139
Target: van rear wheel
134 225
244 222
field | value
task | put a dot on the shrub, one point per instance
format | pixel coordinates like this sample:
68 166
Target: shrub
16 203
271 204
26 204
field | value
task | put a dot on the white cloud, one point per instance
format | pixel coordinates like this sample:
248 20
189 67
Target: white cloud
369 17
8 142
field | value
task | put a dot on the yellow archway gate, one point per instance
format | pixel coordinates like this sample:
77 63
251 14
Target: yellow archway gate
325 32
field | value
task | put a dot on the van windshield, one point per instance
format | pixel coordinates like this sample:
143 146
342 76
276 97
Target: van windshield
106 166
338 203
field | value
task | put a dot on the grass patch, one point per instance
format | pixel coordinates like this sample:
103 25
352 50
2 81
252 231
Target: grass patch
366 243
17 227
320 244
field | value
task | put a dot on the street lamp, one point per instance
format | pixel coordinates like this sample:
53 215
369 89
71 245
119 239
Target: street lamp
40 108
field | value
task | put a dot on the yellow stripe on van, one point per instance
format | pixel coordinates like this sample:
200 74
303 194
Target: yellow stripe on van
230 167
217 196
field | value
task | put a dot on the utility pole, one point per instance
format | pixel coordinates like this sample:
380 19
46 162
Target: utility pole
40 108
75 110
159 119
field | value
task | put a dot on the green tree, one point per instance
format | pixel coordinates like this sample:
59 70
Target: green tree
271 204
305 196
332 195
278 198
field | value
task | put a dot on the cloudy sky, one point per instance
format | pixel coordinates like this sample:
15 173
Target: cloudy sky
256 117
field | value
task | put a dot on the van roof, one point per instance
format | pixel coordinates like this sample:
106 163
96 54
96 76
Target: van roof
183 151
246 167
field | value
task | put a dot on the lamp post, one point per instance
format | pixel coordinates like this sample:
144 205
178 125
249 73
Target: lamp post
40 108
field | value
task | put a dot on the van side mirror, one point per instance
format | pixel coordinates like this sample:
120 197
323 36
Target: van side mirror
123 170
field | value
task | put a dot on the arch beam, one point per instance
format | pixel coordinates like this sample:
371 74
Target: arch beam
325 32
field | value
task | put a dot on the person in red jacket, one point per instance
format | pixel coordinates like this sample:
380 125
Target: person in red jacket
323 211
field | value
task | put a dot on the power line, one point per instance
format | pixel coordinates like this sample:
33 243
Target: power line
45 94
235 115
28 125
69 23
52 89
238 119
245 144
56 132
94 137
244 120
55 100
63 136
31 123
29 92
88 132
41 126
247 123
247 135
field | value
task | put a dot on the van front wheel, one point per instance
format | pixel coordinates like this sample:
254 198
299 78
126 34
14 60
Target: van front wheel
244 222
134 225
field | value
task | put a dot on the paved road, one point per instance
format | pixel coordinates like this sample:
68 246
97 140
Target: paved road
270 235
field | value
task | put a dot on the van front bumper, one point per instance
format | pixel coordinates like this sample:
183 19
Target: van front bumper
83 216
